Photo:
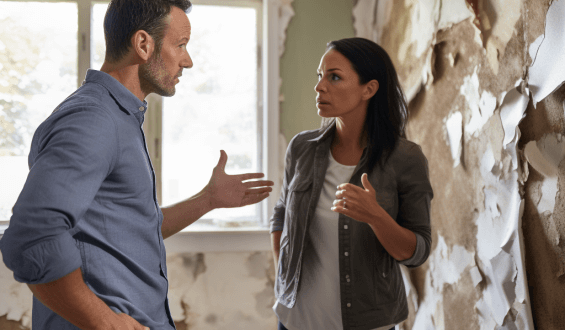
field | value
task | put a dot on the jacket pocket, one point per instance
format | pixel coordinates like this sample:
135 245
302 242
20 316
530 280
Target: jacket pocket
385 283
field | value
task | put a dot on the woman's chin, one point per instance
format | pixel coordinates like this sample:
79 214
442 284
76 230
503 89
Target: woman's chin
324 113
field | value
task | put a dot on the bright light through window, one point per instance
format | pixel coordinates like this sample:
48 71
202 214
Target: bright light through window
214 108
38 70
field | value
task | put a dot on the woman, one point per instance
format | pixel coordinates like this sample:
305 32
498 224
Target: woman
355 202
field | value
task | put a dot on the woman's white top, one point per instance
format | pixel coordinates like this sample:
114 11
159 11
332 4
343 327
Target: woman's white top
318 298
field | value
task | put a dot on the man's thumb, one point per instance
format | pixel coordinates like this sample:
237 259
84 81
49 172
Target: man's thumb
223 161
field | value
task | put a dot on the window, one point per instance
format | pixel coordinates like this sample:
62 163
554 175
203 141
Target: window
38 69
218 103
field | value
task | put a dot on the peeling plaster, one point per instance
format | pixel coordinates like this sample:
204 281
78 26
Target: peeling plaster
547 72
15 298
482 107
512 112
285 15
454 128
495 169
498 21
453 12
545 156
234 290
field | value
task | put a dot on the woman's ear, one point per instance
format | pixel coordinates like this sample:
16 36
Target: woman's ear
370 89
143 45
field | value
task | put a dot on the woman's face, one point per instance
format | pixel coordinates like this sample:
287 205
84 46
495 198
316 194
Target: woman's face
339 92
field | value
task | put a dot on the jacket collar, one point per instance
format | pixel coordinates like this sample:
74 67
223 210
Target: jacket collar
325 133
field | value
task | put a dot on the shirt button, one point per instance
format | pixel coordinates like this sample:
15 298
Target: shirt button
345 227
348 280
346 254
346 276
141 108
348 304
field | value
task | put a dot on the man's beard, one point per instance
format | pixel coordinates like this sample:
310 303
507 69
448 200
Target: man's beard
153 77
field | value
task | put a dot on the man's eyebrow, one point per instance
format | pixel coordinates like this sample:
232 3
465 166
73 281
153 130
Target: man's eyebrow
185 39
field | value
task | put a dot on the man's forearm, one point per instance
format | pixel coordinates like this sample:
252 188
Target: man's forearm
178 216
74 301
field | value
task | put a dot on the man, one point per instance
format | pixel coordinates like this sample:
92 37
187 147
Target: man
87 232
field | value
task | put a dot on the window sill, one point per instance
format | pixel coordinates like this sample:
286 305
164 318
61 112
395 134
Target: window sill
211 240
220 240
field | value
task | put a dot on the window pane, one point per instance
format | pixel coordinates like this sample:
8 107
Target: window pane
38 70
215 107
97 44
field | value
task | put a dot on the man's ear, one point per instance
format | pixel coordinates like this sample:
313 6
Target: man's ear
370 89
143 45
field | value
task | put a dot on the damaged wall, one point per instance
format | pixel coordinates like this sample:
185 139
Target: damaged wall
483 79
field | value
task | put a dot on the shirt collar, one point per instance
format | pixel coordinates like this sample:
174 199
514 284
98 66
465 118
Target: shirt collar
121 94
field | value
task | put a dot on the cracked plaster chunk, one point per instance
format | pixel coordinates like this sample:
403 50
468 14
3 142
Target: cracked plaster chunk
547 72
192 298
423 17
449 264
364 19
454 128
285 15
503 14
453 12
482 107
512 111
545 156
17 307
476 276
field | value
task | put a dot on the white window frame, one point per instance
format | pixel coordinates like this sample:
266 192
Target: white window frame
256 239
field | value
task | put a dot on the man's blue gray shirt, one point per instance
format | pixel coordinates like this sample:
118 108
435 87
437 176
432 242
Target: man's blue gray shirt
90 202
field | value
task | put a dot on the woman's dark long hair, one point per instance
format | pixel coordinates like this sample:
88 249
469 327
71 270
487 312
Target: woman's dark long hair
387 109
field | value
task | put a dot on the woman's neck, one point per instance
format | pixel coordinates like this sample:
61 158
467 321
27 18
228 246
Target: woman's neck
350 134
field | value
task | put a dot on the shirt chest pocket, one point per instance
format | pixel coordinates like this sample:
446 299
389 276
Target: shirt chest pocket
299 192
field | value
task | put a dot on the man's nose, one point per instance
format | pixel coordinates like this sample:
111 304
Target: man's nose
186 61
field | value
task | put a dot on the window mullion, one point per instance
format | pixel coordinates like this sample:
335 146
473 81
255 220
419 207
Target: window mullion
83 38
271 129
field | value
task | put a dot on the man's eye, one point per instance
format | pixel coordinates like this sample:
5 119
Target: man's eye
319 76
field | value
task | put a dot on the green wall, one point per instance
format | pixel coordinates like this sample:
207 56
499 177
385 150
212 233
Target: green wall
315 23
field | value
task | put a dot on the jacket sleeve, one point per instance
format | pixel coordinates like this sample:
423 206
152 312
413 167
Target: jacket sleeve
277 219
414 197
73 153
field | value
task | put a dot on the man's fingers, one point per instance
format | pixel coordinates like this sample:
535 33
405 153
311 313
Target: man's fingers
258 190
253 198
260 183
249 176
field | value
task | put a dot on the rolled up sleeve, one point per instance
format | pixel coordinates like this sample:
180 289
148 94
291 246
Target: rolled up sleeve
414 197
72 153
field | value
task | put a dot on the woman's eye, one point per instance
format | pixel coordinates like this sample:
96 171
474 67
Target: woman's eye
335 77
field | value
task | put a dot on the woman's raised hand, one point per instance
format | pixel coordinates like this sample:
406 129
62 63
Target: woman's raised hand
358 203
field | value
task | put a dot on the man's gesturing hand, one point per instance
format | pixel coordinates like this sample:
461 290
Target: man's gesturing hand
231 190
